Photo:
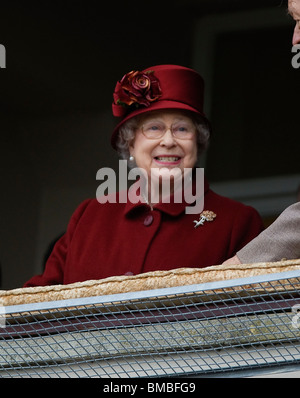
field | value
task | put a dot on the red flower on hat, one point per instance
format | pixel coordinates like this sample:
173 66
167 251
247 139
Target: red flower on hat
134 90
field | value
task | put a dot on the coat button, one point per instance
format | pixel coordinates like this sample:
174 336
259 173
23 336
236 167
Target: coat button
148 220
129 273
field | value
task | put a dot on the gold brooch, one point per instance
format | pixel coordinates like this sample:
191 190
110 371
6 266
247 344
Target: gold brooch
206 215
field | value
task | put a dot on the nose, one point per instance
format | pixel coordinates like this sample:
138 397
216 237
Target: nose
167 139
296 35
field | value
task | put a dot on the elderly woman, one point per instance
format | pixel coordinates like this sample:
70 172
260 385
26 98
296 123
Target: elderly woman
161 129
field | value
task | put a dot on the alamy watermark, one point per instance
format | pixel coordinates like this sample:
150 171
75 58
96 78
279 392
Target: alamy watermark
296 57
2 56
2 316
296 317
163 182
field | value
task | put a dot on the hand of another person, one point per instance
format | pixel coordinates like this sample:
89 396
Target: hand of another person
232 261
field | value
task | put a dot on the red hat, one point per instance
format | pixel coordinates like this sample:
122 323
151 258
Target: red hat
155 88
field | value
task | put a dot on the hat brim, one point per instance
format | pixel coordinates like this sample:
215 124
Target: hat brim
160 105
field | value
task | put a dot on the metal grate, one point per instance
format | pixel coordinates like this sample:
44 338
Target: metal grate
193 330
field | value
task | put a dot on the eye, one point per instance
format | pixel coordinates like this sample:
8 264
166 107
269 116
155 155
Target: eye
182 128
153 129
153 126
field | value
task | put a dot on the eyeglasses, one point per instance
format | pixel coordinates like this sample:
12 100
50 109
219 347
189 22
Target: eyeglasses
182 130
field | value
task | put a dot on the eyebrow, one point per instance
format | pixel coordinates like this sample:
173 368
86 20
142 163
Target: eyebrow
157 119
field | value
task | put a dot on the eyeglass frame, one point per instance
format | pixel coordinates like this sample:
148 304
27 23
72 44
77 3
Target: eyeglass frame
168 129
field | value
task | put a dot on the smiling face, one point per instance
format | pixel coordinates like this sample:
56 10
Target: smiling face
176 148
294 10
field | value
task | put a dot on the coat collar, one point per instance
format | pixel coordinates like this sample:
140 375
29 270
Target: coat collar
173 209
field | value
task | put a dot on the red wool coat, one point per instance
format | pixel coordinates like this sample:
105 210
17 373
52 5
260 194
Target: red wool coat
110 239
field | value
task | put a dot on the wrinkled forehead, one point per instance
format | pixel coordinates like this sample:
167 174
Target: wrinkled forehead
165 114
294 8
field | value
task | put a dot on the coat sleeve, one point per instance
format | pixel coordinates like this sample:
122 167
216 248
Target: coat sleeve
280 241
247 225
55 265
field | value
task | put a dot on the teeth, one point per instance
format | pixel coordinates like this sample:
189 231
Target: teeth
168 158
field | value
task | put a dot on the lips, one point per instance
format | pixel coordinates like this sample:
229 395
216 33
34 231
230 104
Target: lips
167 159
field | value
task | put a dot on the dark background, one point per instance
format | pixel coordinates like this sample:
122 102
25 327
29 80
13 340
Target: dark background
63 61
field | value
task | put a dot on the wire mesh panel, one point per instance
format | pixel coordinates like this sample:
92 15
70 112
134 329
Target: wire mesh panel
202 329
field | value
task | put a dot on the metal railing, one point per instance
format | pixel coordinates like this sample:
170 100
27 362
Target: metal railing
197 330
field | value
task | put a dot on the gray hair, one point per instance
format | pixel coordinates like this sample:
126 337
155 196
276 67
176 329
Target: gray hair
127 132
